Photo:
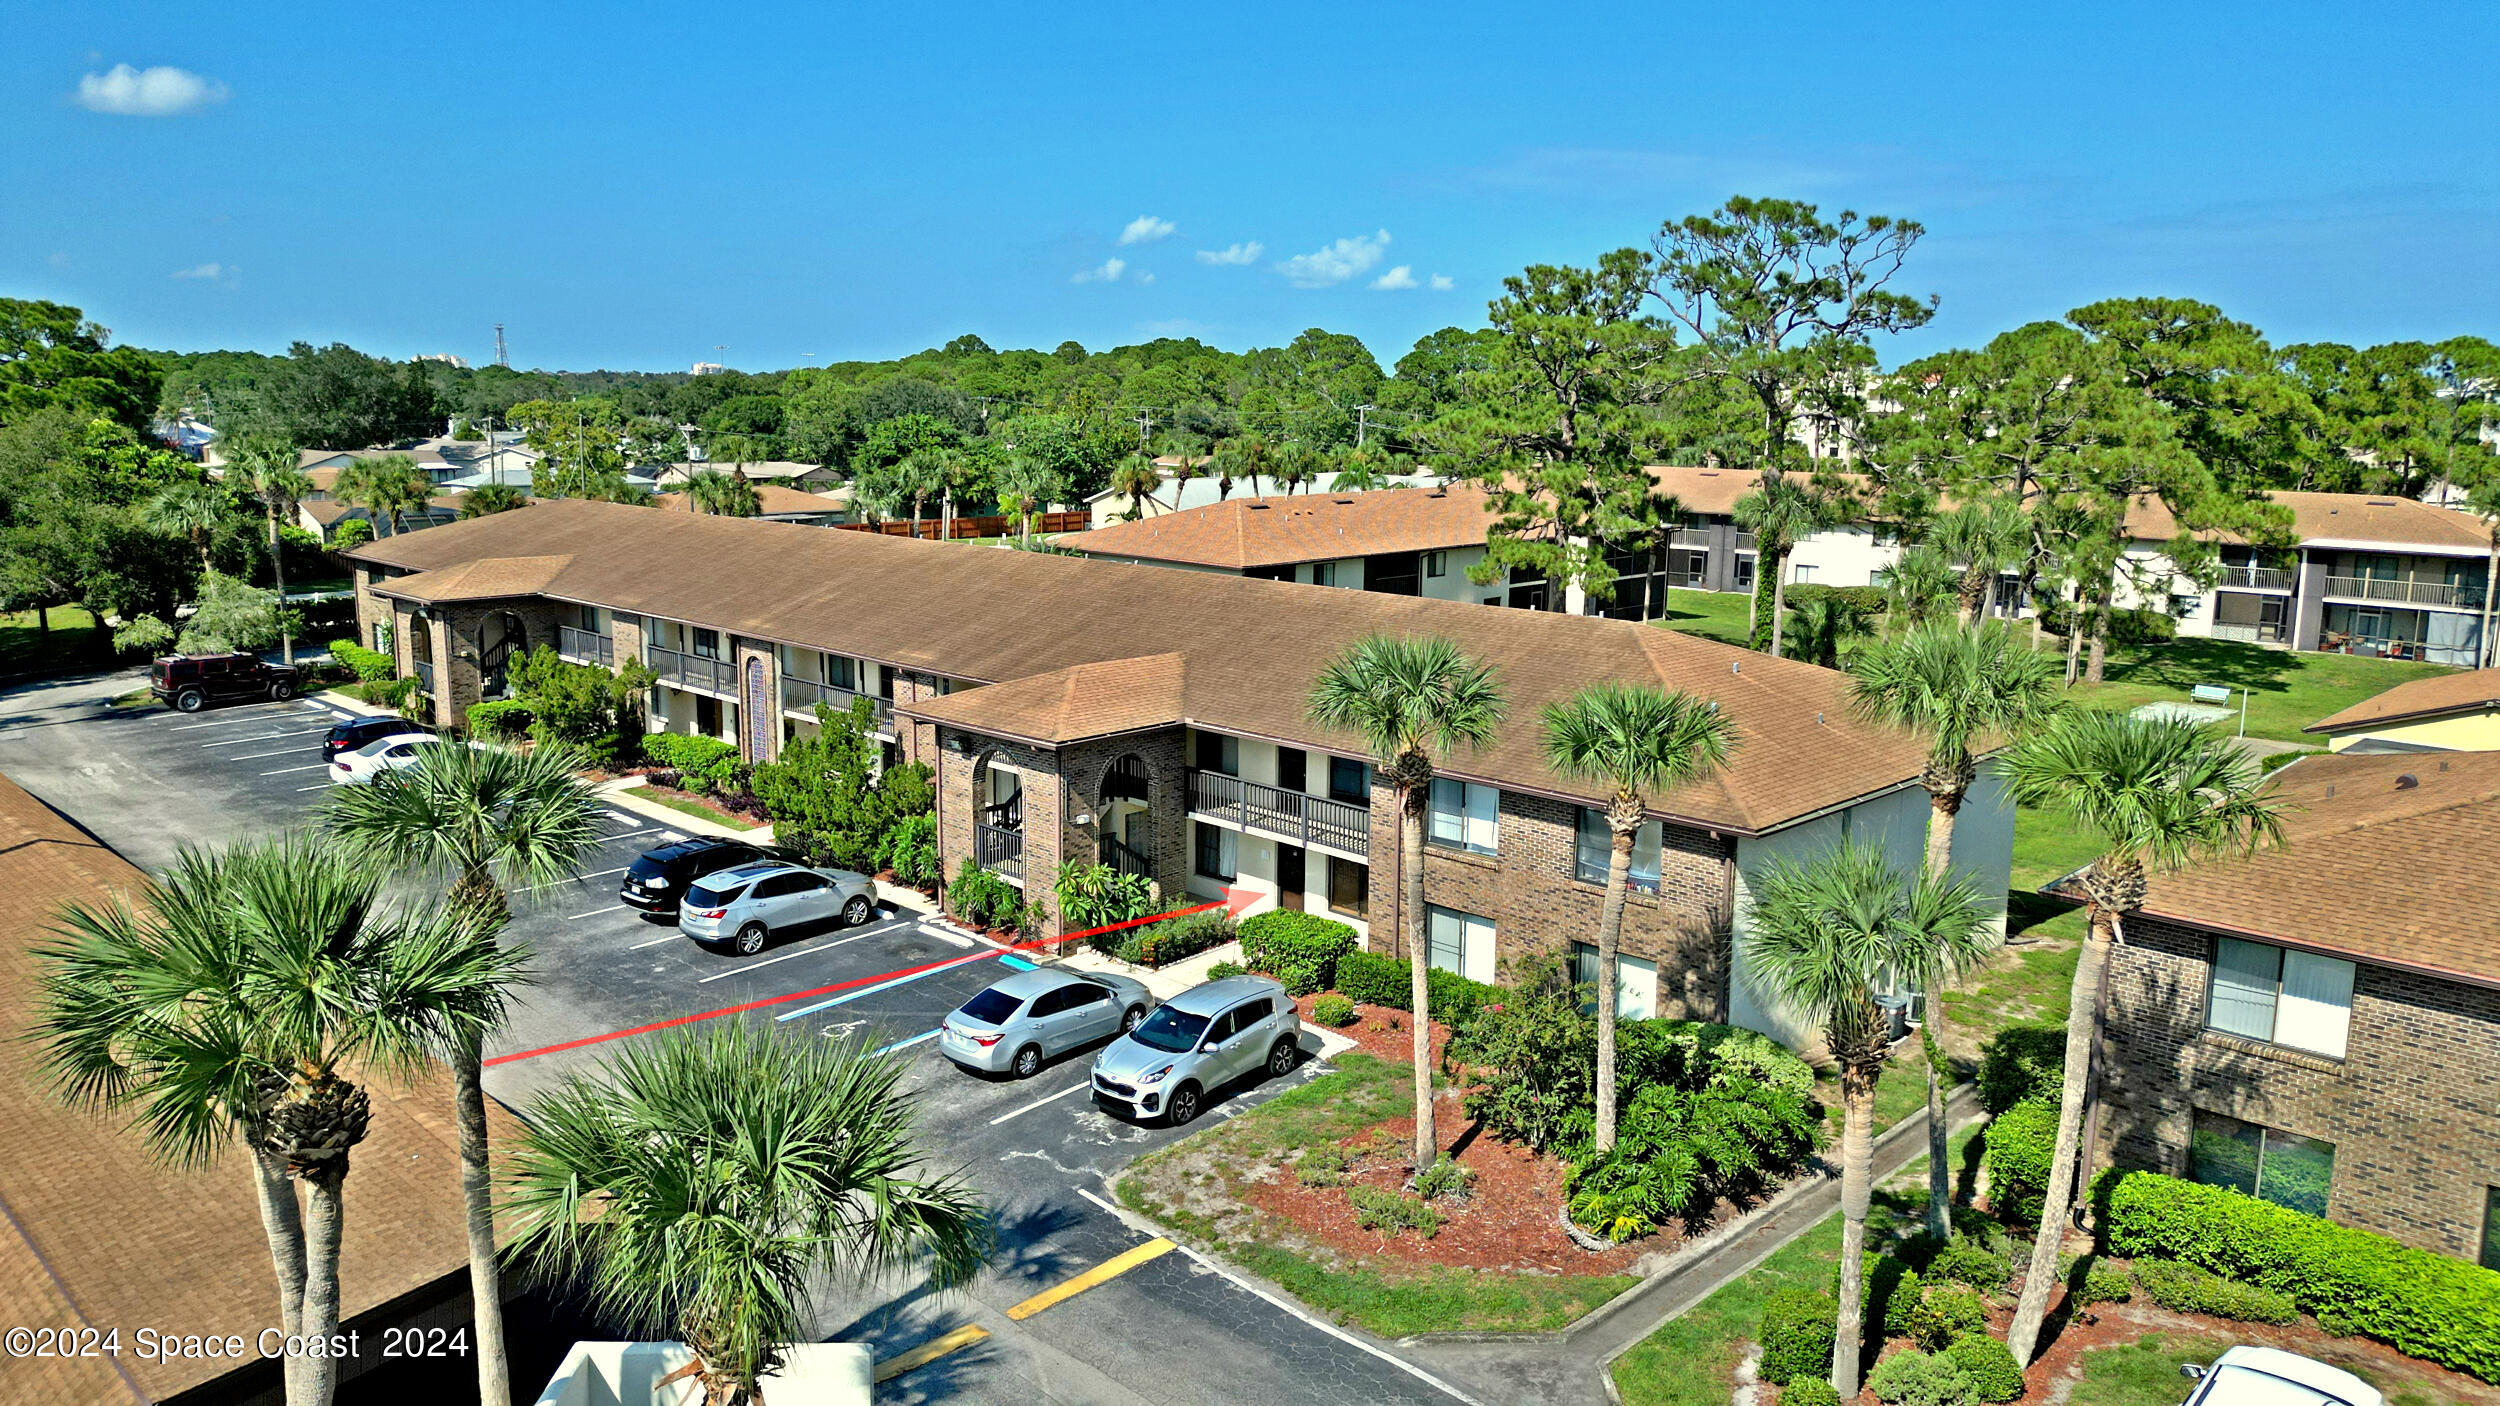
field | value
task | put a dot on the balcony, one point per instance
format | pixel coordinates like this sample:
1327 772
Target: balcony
2408 591
2255 578
718 677
1286 815
1689 537
1747 542
799 698
999 851
585 647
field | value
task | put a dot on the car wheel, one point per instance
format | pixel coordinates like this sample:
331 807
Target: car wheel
1281 1060
1028 1062
1135 1016
1183 1109
281 691
750 939
190 700
858 911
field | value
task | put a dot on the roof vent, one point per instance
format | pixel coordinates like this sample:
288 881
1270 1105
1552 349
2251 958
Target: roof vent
2382 502
1818 720
2443 766
1736 666
1260 508
2407 781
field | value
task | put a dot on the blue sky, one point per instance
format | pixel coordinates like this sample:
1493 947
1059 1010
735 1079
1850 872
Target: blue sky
632 186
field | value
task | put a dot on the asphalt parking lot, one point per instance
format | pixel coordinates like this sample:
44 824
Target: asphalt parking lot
1081 1305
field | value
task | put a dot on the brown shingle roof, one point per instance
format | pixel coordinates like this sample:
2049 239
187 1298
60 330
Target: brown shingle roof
1072 704
771 497
489 578
1245 532
99 1234
988 615
2370 867
2339 517
1710 492
2464 691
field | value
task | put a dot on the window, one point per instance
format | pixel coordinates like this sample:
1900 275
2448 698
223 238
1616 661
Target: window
1323 573
2290 998
2491 1227
2272 1165
1803 573
1459 942
1216 752
707 644
1350 781
1636 982
1293 769
1744 573
381 636
1436 564
1218 850
1349 887
1596 851
1492 600
1464 815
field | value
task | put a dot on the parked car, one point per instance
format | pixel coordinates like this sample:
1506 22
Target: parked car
1015 1024
389 752
1195 1044
744 907
2269 1376
191 682
655 882
357 733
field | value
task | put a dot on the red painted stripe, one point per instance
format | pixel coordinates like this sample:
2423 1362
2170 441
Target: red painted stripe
837 986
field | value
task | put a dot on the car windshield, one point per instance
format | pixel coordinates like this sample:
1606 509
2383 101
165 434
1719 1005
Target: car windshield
993 1007
710 894
1171 1031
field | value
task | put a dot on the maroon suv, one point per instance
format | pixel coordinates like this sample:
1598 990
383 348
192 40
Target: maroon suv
191 682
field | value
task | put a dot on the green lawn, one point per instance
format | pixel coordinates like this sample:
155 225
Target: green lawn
75 641
2287 691
1391 1303
1718 615
1901 1092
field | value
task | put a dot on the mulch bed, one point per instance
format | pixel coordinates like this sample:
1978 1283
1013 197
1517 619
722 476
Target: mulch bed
710 807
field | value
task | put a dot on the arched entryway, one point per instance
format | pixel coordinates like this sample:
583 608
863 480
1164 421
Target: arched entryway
1127 835
998 816
421 650
499 637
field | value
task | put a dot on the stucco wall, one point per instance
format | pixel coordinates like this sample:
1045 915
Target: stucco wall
2464 732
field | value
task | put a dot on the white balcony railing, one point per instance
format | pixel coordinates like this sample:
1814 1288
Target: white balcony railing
2255 578
1289 815
586 647
718 677
799 698
2407 591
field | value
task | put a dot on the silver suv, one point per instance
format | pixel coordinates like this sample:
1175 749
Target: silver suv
744 907
1196 1043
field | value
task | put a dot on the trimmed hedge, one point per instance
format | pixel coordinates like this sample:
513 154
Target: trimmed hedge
370 665
1990 1366
1299 949
1810 1391
1332 1010
2026 1060
705 762
1917 1379
1161 944
2183 1288
499 719
2022 1141
1945 1313
1375 980
2425 1305
1796 1334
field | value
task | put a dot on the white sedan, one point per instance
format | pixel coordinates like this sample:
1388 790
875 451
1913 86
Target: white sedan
399 749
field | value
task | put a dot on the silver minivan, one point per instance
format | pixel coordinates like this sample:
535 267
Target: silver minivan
1196 1043
1012 1026
744 907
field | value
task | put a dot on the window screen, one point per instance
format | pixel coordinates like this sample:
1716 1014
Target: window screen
1464 815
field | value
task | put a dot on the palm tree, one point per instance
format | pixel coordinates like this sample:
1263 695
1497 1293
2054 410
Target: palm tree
387 486
1137 478
1411 700
1780 513
697 1188
1250 457
1820 939
723 494
920 476
1957 688
268 472
1983 538
1360 471
224 1008
1297 466
200 511
2159 793
1823 626
1641 741
488 499
1920 581
483 819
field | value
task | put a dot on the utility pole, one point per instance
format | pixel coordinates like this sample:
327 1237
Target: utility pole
1361 412
502 357
1145 428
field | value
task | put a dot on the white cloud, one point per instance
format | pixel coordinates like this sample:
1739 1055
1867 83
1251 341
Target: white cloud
1403 276
58 261
1109 272
200 271
1145 276
1145 229
1336 263
1246 252
1442 283
124 91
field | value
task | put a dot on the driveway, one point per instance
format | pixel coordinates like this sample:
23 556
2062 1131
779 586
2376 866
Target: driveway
1078 1307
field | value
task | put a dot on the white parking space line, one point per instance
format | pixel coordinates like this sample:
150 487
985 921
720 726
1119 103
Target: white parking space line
295 751
264 737
264 719
904 1044
849 996
1044 1099
787 956
595 912
672 937
600 874
291 770
324 786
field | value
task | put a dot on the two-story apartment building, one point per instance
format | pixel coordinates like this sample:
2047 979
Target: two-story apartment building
1408 542
1074 712
2318 1024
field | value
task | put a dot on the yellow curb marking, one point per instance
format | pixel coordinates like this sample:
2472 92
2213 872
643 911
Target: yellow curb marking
1109 1269
931 1351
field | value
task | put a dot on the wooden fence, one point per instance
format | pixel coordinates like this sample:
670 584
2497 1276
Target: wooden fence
962 527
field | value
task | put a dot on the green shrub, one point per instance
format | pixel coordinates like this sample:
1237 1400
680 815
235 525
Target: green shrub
2183 1288
1321 1166
1944 1313
2022 1141
2275 762
1990 1365
1332 1010
2021 1061
910 850
1222 970
1732 1053
369 665
1298 949
1391 1213
1097 895
1679 1150
2424 1305
2126 627
1916 1379
2093 1279
706 763
1445 1178
395 694
1173 939
1796 1334
1964 1260
983 899
500 719
1375 980
1864 602
1810 1391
